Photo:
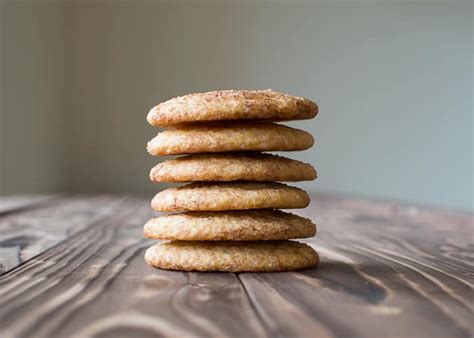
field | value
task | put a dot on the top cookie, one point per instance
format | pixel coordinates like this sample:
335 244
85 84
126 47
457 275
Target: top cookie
225 105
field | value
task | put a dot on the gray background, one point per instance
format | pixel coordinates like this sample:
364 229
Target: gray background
393 81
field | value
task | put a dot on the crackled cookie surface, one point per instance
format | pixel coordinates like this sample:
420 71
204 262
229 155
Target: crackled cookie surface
231 105
230 196
232 167
248 225
231 256
225 137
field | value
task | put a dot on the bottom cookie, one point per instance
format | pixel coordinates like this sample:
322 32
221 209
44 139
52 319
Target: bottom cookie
230 256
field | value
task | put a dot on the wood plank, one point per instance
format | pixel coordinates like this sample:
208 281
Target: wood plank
28 230
9 204
95 283
385 270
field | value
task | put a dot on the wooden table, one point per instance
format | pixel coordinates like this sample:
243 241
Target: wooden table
73 265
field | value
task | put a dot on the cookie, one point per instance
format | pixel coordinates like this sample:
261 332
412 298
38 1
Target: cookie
232 256
248 225
232 167
230 196
224 137
232 105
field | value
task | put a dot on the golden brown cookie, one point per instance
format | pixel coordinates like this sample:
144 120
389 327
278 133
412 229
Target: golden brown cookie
232 167
224 137
232 256
248 225
232 105
230 196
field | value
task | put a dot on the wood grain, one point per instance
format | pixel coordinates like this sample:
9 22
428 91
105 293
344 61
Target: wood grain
31 225
387 271
10 204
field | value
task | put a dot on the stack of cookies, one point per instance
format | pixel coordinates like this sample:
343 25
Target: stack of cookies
227 218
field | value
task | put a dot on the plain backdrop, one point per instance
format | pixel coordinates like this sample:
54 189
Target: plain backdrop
393 81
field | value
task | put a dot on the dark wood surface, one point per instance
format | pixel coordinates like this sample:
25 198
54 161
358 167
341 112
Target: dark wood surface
73 266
